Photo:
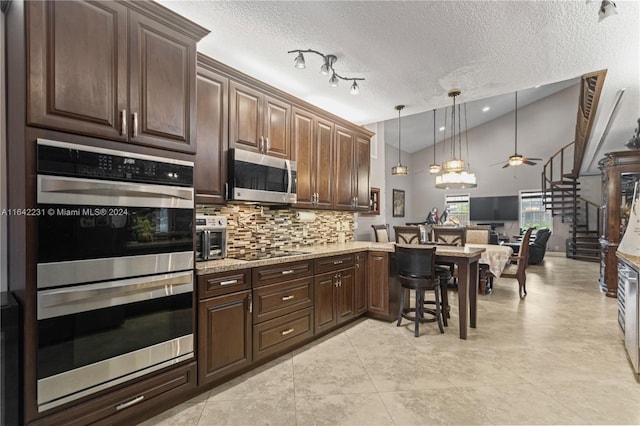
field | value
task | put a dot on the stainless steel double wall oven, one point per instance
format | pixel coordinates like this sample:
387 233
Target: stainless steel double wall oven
115 268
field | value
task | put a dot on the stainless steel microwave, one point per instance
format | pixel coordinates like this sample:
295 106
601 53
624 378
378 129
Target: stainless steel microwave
260 178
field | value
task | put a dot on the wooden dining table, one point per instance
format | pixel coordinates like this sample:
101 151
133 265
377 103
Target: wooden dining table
466 259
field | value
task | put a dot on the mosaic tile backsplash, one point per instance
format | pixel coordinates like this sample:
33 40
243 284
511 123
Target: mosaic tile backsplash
254 228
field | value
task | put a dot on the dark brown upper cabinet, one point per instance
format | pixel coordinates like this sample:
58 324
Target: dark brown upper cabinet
258 122
121 71
212 134
312 148
351 170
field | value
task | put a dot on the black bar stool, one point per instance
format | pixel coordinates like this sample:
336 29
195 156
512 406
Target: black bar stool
417 271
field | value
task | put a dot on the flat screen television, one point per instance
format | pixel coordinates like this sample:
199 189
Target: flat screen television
493 208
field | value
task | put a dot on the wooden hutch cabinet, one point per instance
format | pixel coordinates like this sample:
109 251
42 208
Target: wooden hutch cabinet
620 170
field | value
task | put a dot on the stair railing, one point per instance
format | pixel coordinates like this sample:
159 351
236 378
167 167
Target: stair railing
561 162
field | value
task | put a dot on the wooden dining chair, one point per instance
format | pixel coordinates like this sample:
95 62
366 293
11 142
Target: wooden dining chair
517 270
476 235
452 236
381 233
407 234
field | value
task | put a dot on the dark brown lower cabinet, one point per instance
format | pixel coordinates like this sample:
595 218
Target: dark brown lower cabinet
281 333
224 335
360 290
334 292
379 305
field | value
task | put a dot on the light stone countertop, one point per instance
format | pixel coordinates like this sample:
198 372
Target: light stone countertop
633 260
314 252
310 252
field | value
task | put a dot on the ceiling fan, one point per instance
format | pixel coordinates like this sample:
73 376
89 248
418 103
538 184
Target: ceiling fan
518 159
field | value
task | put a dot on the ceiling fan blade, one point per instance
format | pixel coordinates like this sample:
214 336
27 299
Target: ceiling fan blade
534 159
496 164
530 163
505 166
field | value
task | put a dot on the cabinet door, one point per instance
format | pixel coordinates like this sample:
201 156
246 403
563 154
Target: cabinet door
361 172
276 127
344 188
323 162
344 295
324 299
360 293
162 95
77 67
378 283
224 335
302 151
245 117
211 137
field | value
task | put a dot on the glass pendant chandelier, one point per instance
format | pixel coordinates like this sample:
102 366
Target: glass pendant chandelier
399 170
454 174
434 168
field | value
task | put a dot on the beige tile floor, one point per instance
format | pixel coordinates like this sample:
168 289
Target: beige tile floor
555 358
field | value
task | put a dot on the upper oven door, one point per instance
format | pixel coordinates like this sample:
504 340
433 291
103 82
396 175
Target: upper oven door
257 177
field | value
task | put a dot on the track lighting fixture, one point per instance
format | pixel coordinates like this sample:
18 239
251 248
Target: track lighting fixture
607 8
326 69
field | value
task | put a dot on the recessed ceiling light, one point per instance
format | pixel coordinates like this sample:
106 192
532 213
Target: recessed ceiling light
442 129
535 87
485 109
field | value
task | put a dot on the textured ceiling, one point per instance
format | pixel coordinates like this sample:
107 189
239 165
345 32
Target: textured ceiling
412 53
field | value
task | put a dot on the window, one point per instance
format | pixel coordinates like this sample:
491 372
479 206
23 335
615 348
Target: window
458 206
532 211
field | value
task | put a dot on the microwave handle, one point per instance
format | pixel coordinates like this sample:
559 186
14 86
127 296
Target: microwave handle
288 177
206 245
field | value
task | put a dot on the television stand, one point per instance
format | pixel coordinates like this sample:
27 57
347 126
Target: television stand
493 225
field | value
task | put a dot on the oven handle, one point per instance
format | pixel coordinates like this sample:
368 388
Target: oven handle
59 302
52 187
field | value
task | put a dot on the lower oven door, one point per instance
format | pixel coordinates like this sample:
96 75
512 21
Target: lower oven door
94 336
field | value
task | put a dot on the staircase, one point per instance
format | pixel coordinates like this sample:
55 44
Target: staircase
560 178
563 200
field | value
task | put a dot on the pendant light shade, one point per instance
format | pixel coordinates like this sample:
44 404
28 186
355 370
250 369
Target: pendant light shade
434 168
399 170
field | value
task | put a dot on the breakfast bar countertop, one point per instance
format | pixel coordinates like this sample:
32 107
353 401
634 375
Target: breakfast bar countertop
299 253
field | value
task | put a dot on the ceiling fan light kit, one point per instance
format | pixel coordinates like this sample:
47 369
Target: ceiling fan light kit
326 69
517 159
454 175
399 170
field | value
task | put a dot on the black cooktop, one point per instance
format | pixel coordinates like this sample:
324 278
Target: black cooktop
267 254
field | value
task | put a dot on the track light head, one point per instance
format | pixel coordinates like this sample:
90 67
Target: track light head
298 62
355 89
334 81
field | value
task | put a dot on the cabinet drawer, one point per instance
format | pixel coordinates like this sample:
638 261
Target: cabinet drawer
272 301
282 333
223 283
130 402
335 263
285 271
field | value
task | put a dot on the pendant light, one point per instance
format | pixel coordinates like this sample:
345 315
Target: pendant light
399 170
454 174
434 168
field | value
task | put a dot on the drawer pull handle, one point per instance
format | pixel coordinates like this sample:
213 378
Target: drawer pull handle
289 331
130 403
230 282
338 262
287 272
284 298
